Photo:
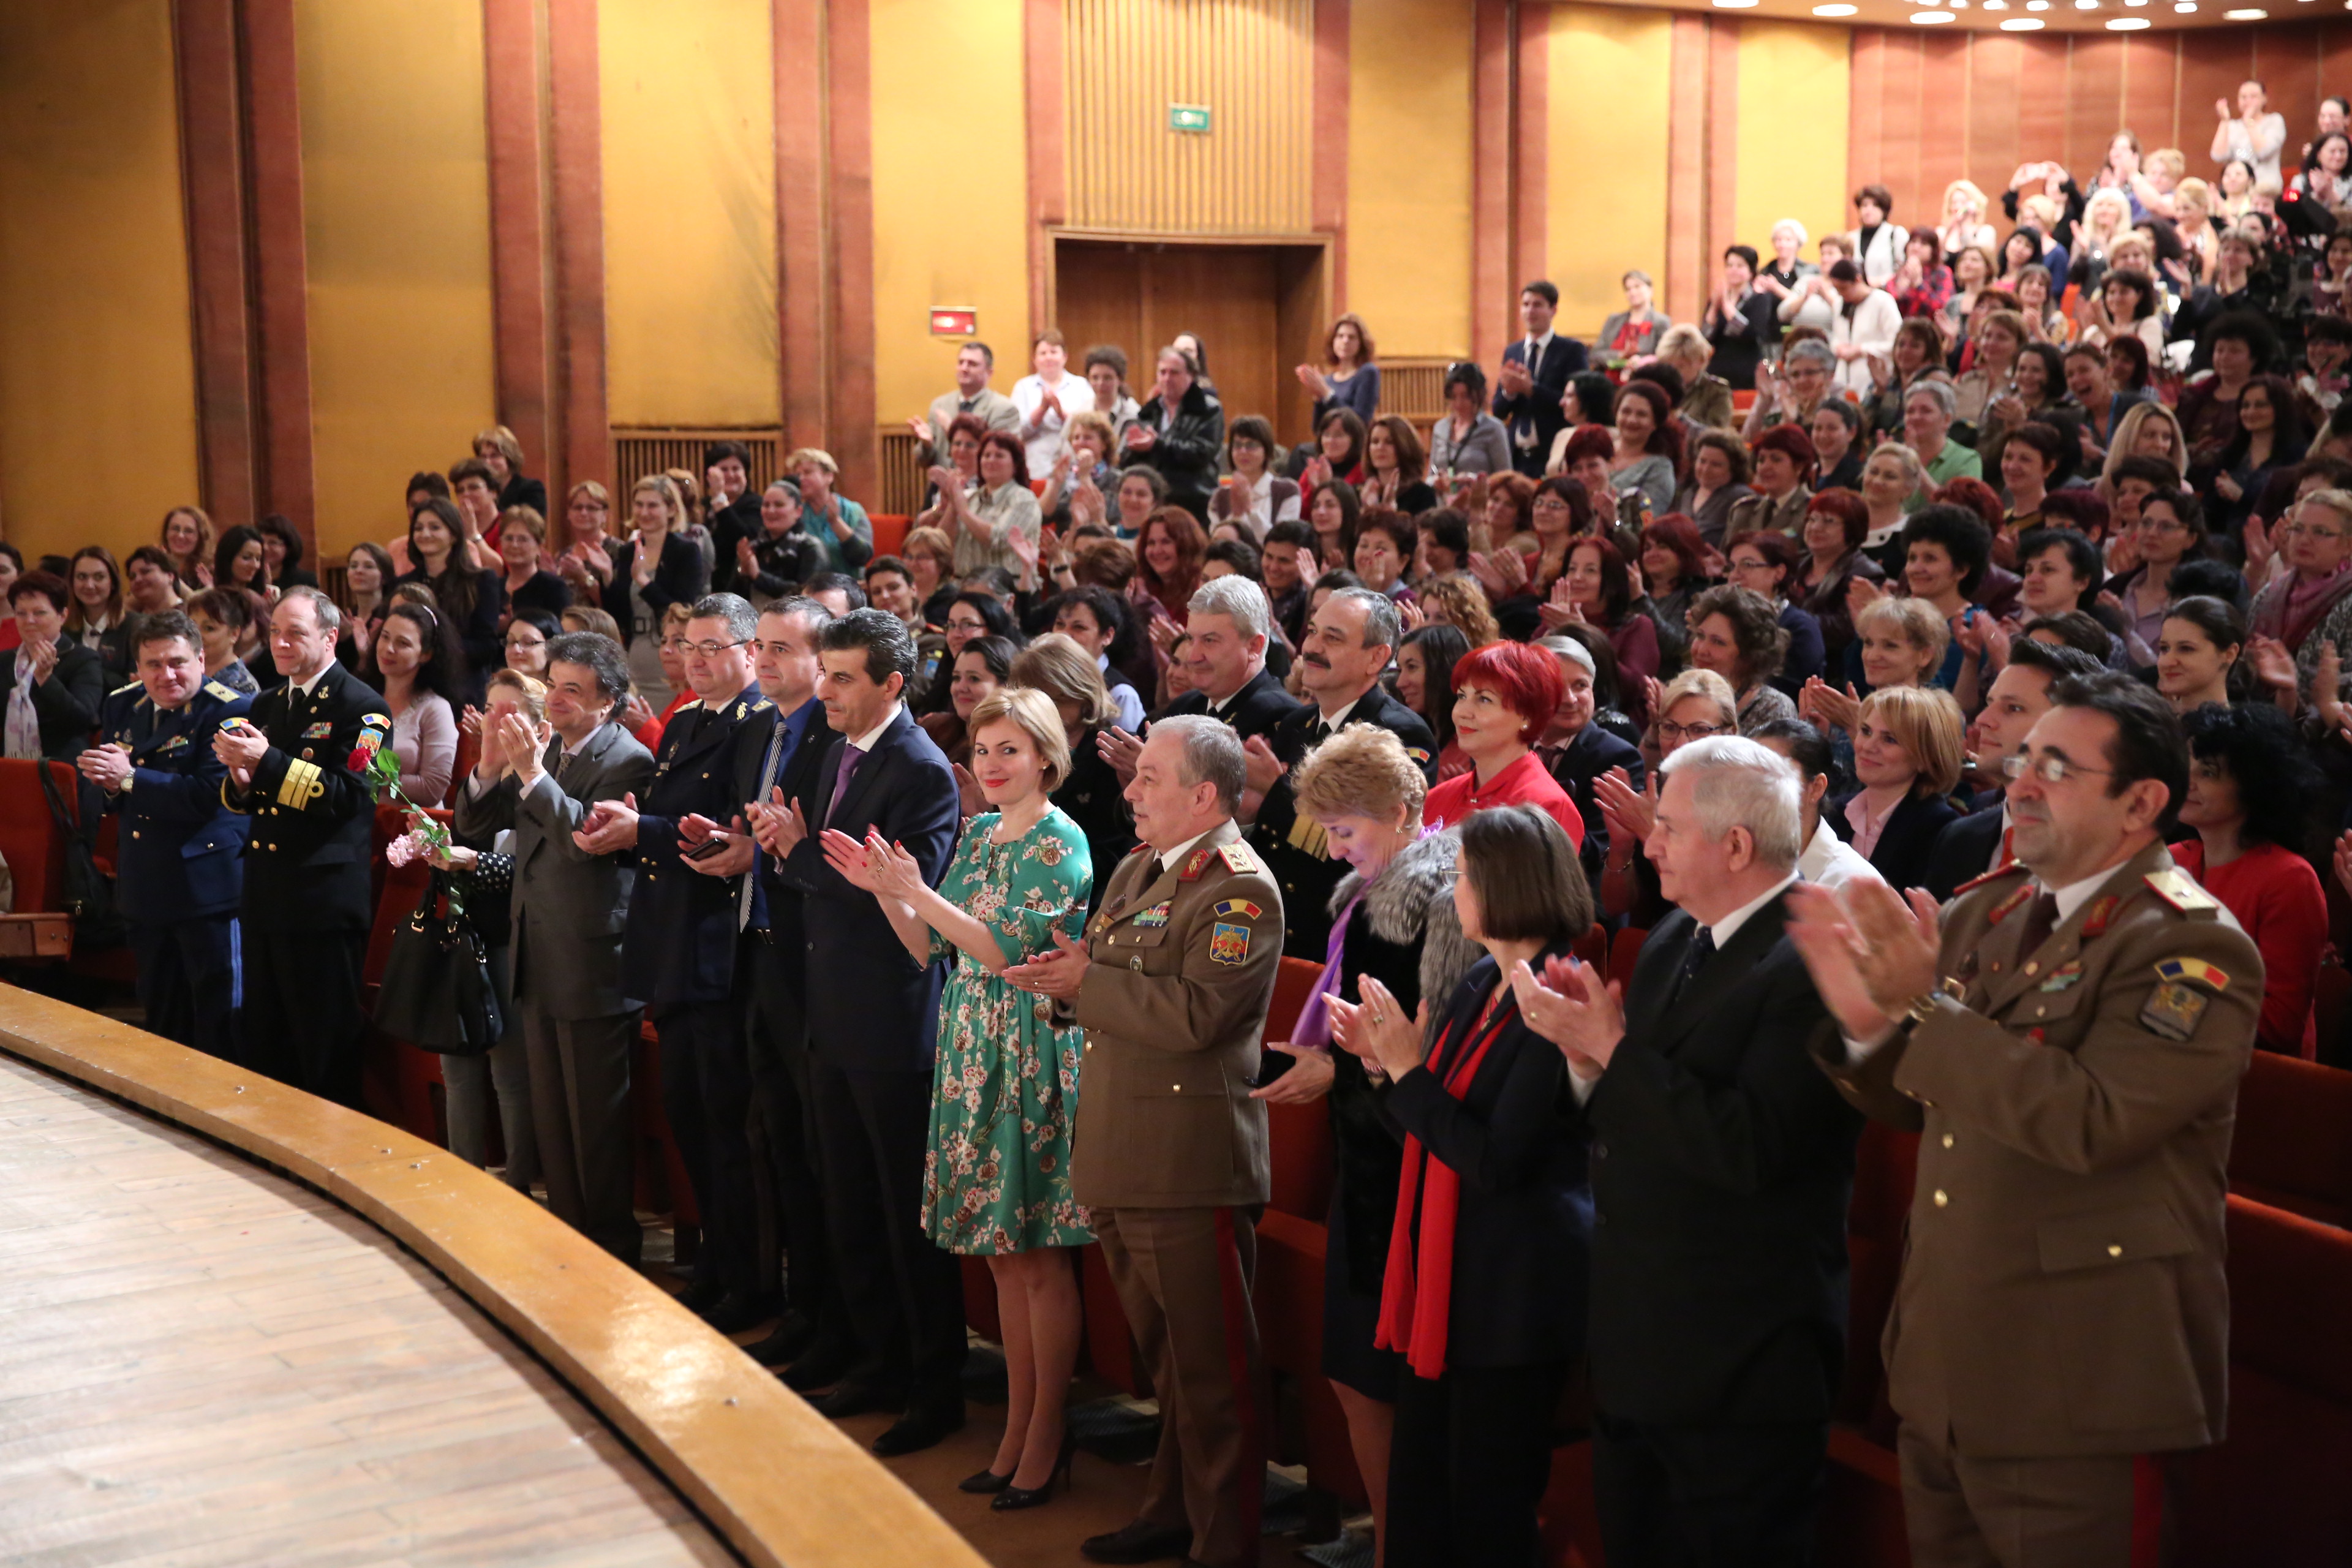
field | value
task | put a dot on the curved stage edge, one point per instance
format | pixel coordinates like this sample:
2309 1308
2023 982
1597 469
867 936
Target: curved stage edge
779 1484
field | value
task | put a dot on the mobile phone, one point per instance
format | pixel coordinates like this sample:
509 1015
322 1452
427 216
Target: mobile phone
714 845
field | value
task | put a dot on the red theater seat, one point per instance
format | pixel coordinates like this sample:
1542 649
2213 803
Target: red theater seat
29 839
1289 1304
2293 1144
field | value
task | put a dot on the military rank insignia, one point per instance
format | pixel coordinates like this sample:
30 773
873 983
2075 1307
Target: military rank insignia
1237 859
1229 944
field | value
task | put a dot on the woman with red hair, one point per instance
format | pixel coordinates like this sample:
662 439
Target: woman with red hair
1673 571
1786 461
1584 454
1836 523
1168 556
1504 698
1596 591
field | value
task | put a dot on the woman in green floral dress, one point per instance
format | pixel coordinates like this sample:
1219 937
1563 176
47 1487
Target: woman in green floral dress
997 1182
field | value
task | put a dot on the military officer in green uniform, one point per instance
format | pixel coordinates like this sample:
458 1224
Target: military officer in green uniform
2067 1037
296 765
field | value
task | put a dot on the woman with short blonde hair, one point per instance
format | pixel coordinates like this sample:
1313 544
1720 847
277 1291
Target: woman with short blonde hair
1909 742
1456 599
1068 678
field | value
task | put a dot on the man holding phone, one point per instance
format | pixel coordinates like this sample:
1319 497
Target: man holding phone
679 955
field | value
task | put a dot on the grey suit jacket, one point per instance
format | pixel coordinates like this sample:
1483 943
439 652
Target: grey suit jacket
569 908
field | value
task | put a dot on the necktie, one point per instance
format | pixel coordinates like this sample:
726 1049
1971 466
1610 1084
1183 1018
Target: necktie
751 899
963 405
2041 919
850 757
1702 948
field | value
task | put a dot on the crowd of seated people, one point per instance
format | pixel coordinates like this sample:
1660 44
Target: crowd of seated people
1867 510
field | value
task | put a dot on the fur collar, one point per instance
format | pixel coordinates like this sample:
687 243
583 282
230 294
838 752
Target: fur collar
1411 900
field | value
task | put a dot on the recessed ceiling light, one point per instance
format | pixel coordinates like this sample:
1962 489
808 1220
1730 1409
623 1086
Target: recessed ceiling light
1735 5
2188 7
1929 18
2128 24
2135 2
1996 4
2022 25
1850 10
2086 5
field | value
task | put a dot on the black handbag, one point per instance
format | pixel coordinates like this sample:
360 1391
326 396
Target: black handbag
437 993
88 893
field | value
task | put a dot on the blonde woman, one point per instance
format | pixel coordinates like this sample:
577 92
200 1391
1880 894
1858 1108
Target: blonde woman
1456 600
997 1182
832 519
585 558
1706 398
1896 642
1908 746
1964 224
1779 276
2107 218
660 566
497 447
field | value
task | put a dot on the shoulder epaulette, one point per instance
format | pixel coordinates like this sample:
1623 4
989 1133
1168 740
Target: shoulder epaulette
223 693
121 689
2179 889
2011 869
1237 859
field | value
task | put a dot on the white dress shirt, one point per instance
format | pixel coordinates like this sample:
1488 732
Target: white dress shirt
1831 862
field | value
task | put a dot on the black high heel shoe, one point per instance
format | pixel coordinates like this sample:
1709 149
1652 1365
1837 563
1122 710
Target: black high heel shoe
1012 1497
984 1482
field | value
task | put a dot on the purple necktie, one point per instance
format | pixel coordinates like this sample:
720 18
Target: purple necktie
850 757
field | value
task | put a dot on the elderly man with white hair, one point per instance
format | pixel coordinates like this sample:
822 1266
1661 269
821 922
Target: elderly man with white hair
1720 1177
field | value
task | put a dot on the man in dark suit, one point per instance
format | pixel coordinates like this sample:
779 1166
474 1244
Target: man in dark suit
2019 695
571 909
1720 1178
179 861
51 687
772 980
871 1009
1349 643
1227 628
296 765
678 954
1534 379
1588 752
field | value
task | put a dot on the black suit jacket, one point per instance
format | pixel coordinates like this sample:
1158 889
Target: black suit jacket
678 576
1722 1163
680 949
1591 752
871 1006
1256 709
1524 1224
1538 408
1963 851
1291 844
67 705
728 524
1907 841
308 852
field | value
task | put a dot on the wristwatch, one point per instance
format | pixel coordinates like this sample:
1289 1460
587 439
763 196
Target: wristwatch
1922 1008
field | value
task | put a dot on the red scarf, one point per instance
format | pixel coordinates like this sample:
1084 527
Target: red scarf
1416 1296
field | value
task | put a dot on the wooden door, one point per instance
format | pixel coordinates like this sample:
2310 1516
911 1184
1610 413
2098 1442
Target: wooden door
1237 299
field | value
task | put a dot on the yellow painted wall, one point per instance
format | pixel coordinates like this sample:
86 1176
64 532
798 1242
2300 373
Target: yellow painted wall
1791 72
689 134
396 219
1606 163
951 192
95 345
1409 136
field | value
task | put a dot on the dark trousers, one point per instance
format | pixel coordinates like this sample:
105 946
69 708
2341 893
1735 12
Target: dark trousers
1962 1511
785 1137
189 980
1468 1466
905 1296
580 1113
707 1090
1709 1497
302 1014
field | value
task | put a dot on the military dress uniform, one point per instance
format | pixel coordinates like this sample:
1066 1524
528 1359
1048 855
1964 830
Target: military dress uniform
302 932
2063 1307
1291 843
1170 1156
679 955
179 861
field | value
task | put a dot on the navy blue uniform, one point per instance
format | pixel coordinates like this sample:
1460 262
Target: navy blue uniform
678 958
307 907
179 861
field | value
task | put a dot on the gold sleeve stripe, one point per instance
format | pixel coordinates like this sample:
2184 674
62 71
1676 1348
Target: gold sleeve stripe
300 785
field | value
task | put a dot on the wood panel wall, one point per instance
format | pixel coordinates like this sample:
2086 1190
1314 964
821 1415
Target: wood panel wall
1252 62
1930 108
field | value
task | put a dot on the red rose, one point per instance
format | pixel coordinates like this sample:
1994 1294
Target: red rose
359 760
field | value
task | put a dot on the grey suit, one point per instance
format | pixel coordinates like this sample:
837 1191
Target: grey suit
570 909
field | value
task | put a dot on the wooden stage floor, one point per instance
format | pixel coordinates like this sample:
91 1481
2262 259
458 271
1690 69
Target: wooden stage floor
202 1363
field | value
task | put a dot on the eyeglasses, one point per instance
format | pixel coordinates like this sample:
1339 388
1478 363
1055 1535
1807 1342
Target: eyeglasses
708 649
1678 733
2050 769
2305 531
1549 503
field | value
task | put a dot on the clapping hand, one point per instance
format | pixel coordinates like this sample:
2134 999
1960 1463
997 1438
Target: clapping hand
850 858
1120 748
971 800
1380 1031
779 825
1059 974
106 766
1165 633
2262 547
1260 766
2327 688
1568 1006
946 480
1861 593
1822 703
610 825
241 746
636 713
1308 1079
1871 953
1559 610
732 861
522 746
2274 664
1630 814
1412 613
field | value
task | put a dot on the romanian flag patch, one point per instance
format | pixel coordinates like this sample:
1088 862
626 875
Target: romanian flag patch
1239 907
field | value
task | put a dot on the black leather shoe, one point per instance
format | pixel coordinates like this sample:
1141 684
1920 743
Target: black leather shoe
793 1337
736 1312
917 1430
821 1367
983 1482
701 1295
1141 1541
857 1399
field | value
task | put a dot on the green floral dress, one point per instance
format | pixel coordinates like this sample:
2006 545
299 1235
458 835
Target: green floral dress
997 1178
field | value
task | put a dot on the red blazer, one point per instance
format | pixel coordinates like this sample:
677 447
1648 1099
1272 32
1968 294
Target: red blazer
1524 783
2276 896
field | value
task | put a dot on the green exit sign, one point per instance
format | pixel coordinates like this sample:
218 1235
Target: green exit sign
1189 117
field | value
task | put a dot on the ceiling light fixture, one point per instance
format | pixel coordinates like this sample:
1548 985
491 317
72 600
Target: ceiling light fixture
1929 18
1736 4
2086 5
